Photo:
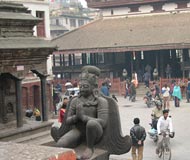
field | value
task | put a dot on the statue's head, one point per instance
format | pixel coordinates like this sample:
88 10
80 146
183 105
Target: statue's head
88 80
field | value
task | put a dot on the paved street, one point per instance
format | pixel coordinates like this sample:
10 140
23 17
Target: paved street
180 144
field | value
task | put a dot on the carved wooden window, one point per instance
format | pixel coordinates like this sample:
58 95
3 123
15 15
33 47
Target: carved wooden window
41 25
10 108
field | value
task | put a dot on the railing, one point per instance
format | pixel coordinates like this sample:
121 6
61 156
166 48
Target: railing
118 86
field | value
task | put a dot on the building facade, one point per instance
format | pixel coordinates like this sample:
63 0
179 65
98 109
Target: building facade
70 21
23 60
40 9
131 35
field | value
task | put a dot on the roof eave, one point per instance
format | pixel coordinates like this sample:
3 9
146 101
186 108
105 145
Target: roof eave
125 48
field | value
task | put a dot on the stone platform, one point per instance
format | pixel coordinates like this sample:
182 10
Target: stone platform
15 151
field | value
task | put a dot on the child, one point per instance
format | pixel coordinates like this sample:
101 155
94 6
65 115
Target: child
37 114
63 110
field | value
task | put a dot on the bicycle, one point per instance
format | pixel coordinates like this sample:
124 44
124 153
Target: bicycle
165 150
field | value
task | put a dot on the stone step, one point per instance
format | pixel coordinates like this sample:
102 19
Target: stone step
31 138
46 140
28 129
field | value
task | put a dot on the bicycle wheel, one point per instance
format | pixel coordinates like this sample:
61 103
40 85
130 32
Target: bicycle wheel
167 154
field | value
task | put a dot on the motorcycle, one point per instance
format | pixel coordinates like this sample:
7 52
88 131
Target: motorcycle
149 100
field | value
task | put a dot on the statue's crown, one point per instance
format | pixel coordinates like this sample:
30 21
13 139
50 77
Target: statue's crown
91 74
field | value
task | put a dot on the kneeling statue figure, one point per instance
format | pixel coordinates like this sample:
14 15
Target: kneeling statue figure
91 118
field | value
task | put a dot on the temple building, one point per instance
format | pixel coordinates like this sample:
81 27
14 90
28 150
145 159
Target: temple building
131 34
23 59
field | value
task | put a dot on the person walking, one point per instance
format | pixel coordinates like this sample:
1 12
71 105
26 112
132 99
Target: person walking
104 89
188 90
132 91
177 95
166 96
127 85
138 135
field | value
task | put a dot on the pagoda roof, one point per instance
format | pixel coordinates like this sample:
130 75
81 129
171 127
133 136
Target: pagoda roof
17 16
25 43
134 33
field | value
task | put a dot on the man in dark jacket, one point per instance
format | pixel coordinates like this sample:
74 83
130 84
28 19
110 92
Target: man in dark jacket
138 135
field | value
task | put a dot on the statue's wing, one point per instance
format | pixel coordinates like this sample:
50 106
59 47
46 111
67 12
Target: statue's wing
57 132
113 139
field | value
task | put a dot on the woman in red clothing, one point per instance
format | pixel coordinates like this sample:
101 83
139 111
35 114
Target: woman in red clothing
62 110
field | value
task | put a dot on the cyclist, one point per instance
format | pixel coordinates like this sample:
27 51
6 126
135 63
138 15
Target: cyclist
164 125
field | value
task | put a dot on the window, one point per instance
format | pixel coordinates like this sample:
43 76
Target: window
88 58
41 25
100 58
66 20
179 55
57 21
73 22
66 60
81 22
57 59
78 59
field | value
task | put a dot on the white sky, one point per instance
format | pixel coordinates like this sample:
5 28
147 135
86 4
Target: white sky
83 3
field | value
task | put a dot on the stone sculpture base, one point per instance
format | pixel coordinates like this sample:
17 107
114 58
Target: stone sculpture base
99 154
9 150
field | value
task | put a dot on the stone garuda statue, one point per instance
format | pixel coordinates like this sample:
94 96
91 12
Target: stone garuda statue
91 119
